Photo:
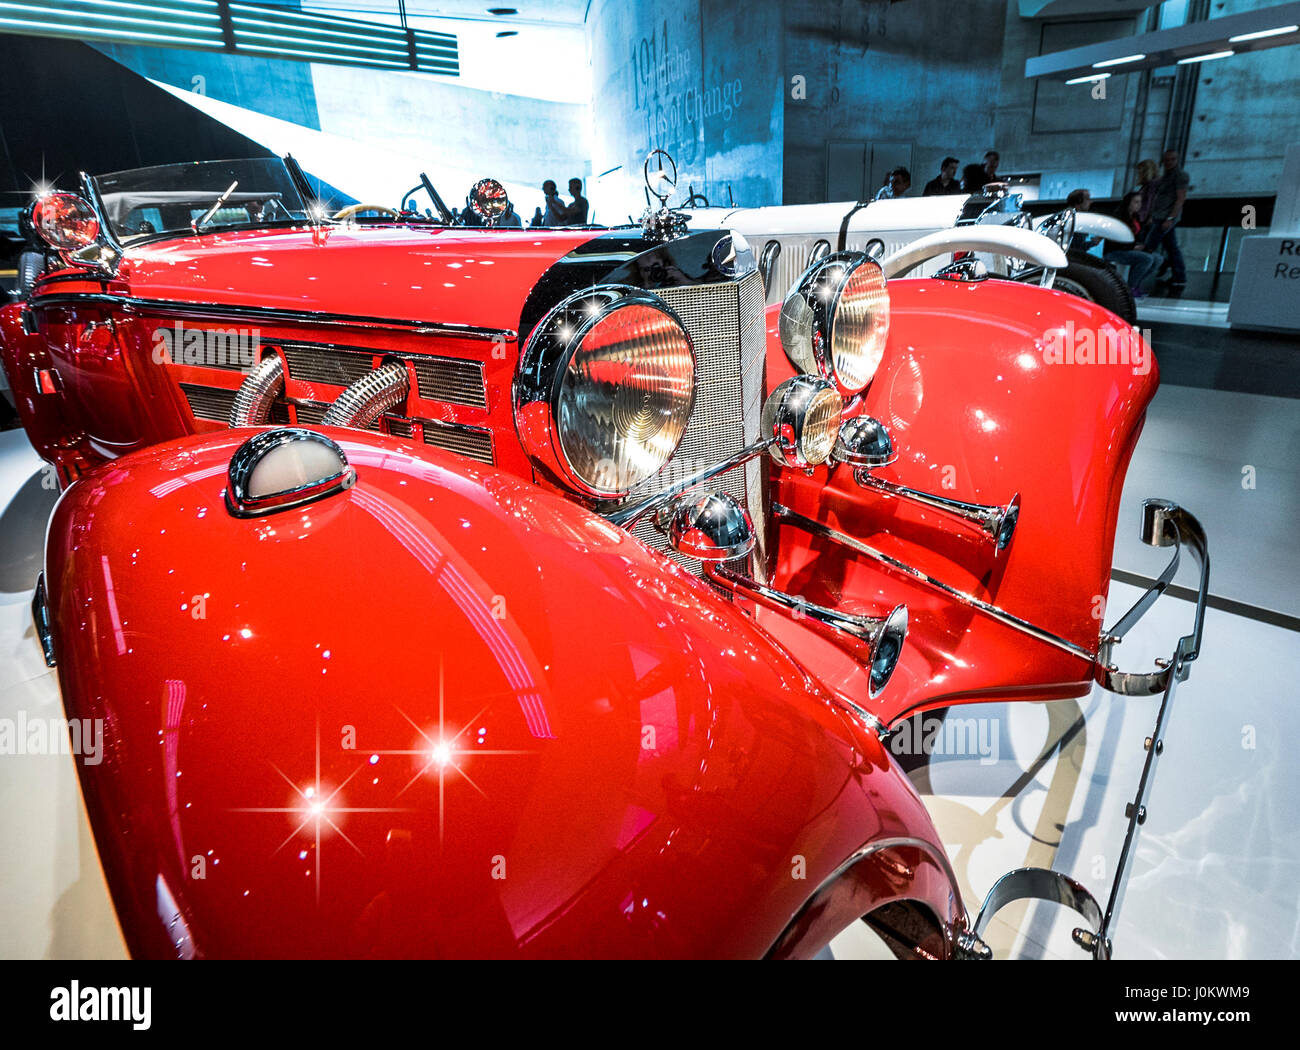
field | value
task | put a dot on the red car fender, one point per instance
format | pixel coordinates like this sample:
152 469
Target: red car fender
444 713
26 361
980 408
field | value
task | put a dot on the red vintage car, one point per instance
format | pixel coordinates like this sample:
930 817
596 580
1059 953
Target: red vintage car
496 592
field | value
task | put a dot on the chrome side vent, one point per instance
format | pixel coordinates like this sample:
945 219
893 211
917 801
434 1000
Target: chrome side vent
471 442
322 364
450 379
312 413
207 402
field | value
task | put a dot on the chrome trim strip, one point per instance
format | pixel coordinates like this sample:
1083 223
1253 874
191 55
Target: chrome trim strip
816 528
274 315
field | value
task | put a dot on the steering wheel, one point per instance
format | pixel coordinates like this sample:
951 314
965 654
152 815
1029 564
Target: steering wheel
356 209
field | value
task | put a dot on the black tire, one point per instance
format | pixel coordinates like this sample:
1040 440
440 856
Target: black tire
1098 281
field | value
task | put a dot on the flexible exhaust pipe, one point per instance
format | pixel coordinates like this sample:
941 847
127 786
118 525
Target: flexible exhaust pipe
257 393
369 397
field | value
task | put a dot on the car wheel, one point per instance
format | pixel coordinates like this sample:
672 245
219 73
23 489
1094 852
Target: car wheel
1097 281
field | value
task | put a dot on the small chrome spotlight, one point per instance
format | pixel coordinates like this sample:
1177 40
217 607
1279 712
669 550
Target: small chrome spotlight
284 468
864 442
710 527
803 416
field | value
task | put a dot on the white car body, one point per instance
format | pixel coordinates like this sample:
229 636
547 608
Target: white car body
921 232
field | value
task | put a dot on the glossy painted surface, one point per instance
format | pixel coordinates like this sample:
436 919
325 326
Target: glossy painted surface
630 768
976 413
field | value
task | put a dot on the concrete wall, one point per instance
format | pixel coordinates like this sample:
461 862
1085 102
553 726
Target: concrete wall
921 75
698 78
1247 113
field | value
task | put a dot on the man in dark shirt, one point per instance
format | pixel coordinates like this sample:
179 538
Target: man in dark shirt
1167 199
975 181
945 182
577 211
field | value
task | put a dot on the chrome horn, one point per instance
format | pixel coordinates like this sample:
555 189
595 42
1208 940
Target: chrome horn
864 444
713 528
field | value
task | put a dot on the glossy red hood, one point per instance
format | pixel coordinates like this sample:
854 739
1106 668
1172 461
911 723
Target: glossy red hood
454 276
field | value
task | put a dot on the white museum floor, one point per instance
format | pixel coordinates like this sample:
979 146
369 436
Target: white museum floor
1216 871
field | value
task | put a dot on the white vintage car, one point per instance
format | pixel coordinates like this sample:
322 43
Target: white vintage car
921 235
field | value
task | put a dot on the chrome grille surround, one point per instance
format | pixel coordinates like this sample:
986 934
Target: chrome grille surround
725 323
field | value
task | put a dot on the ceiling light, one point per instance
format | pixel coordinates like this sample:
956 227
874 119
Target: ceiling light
1118 61
501 12
1088 80
1205 58
1279 31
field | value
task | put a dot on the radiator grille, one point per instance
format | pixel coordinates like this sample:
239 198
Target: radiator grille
208 402
471 442
725 322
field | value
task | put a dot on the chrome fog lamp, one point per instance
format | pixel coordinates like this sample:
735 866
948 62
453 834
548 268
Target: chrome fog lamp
835 320
802 415
605 389
710 527
864 442
285 468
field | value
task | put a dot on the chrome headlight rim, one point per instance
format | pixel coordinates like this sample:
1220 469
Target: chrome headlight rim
544 363
809 313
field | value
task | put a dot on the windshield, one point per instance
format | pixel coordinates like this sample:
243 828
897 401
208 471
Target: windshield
216 193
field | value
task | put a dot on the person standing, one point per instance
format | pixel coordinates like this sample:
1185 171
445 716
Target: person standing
975 178
945 182
554 211
1167 199
897 183
1146 184
576 213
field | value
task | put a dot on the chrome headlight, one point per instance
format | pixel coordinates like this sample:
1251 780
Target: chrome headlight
605 389
836 319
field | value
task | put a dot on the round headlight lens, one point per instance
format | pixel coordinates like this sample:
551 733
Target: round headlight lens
625 395
859 327
835 320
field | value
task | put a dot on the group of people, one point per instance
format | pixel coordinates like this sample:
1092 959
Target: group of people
555 212
1152 211
973 179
